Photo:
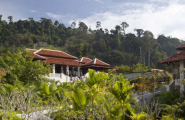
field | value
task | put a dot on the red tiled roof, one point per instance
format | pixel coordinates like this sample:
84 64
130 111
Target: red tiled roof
96 62
62 58
54 53
35 55
182 47
85 60
61 61
177 57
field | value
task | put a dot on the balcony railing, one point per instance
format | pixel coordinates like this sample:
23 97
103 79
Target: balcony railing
64 78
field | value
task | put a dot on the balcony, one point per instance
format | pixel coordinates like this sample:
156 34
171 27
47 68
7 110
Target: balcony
64 78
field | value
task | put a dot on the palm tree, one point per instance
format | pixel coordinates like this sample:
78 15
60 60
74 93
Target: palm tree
139 32
0 18
98 24
73 24
124 26
56 23
10 19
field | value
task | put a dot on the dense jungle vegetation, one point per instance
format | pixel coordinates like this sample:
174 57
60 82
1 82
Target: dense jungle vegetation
115 46
25 92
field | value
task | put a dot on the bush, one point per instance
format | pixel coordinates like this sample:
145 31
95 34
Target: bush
167 97
136 68
123 69
140 116
140 68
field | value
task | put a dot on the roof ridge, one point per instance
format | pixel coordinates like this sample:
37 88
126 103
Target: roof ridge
179 47
81 59
87 58
39 55
57 51
37 51
170 57
88 62
94 60
102 61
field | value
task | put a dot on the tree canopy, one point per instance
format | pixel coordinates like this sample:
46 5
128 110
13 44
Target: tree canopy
21 68
114 46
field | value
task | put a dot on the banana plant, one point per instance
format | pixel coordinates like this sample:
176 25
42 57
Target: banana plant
46 91
80 100
95 78
96 83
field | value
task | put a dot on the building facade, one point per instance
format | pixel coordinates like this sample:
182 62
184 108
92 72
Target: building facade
66 67
178 63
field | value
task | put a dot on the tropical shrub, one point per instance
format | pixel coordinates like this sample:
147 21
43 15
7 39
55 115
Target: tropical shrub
134 69
167 97
21 67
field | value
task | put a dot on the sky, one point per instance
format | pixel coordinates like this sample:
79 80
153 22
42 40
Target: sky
158 16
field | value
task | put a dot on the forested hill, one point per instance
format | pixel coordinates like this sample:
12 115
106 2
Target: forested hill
112 46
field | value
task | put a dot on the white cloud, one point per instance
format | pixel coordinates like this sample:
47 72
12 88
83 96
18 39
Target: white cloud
55 16
33 11
59 17
160 1
100 1
167 20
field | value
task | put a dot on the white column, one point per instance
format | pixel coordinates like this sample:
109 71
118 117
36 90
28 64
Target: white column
181 70
176 73
73 70
67 70
67 73
61 71
78 71
181 76
53 68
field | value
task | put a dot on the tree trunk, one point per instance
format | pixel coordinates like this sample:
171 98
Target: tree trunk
148 58
140 54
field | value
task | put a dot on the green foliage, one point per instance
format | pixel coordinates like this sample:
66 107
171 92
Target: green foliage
53 87
140 68
114 47
140 116
123 69
136 68
172 110
168 117
100 96
121 89
21 67
12 116
80 99
167 97
49 90
95 78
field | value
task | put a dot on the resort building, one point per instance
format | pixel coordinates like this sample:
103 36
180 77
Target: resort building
178 63
66 67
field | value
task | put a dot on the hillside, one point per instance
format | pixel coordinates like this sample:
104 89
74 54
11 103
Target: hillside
113 46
